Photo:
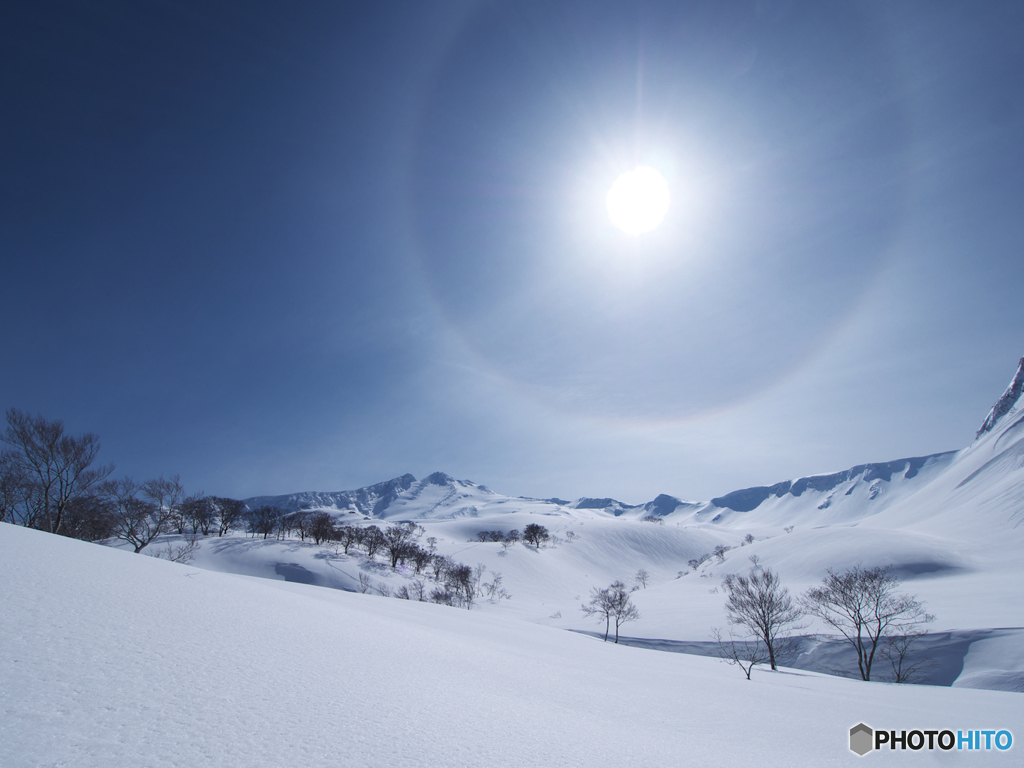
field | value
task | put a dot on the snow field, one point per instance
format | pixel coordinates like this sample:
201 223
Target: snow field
108 659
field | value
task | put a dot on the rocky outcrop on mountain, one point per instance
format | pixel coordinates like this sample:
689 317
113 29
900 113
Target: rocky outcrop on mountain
1006 401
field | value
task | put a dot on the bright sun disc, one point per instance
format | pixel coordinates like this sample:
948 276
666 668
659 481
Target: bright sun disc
638 200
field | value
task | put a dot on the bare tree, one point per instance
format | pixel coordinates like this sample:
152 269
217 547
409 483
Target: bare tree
420 557
600 605
321 527
182 553
697 562
495 591
535 534
262 520
45 469
460 582
89 518
760 603
744 653
166 492
347 536
365 582
440 565
372 539
613 605
897 650
199 512
397 539
142 511
419 590
12 488
511 538
229 513
866 608
178 522
623 609
299 521
642 577
285 525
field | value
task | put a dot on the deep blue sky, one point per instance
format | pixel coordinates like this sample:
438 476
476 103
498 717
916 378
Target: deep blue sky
293 246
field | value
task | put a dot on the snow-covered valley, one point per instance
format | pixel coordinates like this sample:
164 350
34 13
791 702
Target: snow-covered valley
279 651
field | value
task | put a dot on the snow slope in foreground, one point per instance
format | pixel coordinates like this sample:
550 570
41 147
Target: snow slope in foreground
110 659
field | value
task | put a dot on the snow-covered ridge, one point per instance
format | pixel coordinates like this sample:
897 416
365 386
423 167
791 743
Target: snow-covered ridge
369 501
749 499
1006 401
440 496
854 493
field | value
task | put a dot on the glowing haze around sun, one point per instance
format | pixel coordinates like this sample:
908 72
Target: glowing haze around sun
638 200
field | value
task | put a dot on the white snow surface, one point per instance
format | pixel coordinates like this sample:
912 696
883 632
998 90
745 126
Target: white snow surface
111 659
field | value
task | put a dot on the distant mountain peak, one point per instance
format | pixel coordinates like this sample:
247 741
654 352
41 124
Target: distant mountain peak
1006 402
664 505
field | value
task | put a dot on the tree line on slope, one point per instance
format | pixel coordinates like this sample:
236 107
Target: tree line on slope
533 533
49 481
456 584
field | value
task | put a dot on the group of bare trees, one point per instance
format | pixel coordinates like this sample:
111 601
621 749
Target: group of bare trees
435 577
718 552
44 471
49 481
506 539
534 534
613 604
864 605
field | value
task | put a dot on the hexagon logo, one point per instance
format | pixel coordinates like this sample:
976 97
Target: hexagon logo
861 739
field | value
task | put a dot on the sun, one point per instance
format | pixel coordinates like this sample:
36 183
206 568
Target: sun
638 200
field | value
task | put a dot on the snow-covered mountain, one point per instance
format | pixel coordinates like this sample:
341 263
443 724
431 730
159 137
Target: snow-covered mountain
368 501
837 497
862 490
